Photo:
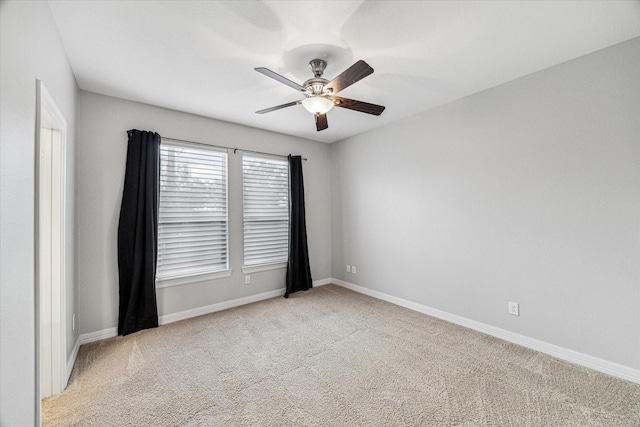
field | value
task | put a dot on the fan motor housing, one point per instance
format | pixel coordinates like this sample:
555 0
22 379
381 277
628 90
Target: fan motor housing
315 86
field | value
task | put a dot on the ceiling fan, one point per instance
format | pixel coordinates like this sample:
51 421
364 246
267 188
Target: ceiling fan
320 94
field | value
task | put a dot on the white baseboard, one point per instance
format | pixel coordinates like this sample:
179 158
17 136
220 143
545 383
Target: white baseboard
98 335
322 282
174 317
187 314
597 364
72 361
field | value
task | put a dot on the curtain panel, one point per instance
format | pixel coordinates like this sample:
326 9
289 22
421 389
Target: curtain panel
138 234
298 269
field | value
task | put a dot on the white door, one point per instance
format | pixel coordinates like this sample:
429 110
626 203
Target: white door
50 271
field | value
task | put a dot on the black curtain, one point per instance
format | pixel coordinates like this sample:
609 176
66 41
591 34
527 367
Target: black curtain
298 269
138 234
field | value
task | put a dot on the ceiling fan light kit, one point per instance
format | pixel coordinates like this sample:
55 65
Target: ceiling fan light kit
317 104
320 93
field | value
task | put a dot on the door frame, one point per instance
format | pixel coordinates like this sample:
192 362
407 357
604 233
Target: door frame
48 115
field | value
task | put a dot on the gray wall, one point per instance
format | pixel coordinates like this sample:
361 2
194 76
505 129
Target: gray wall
102 129
527 192
30 49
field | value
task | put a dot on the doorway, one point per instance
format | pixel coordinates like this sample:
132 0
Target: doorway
51 135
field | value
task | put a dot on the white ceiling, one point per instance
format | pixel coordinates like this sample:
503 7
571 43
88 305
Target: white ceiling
199 56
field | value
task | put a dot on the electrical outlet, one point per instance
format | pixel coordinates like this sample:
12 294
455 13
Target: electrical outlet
247 279
353 269
348 268
514 308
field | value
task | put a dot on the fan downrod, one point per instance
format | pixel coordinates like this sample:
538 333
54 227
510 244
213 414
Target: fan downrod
317 67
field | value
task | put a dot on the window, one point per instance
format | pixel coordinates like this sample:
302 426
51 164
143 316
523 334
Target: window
192 224
266 210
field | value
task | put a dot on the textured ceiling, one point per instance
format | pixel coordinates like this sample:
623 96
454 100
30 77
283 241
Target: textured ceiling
198 56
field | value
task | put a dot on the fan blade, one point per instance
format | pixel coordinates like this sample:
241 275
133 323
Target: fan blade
267 72
363 107
278 107
356 72
321 122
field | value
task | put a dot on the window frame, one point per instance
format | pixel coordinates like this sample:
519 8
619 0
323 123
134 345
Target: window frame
269 265
198 276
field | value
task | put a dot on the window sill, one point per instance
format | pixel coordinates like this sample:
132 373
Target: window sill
263 267
185 280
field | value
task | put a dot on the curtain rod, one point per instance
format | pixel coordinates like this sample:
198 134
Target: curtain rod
225 147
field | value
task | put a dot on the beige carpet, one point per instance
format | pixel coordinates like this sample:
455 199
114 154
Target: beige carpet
330 357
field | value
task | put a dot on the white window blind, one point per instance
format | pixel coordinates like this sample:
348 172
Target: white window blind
265 209
192 224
